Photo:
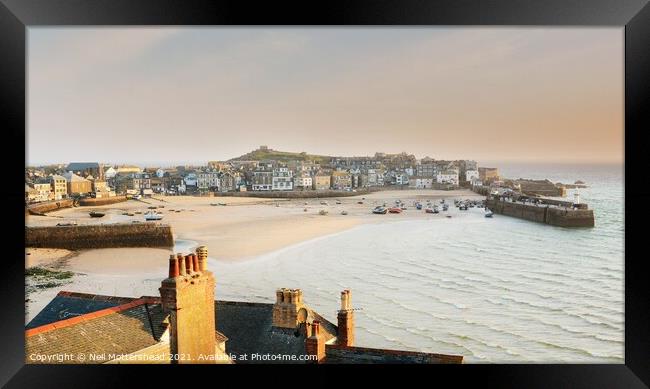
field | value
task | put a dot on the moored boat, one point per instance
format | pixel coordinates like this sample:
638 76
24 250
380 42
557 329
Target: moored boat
152 216
96 214
395 210
380 210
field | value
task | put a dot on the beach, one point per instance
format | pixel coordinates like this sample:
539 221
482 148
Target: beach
247 227
241 230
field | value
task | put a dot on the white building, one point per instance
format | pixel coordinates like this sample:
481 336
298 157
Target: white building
421 182
471 175
303 180
447 177
401 179
282 179
190 179
208 180
110 172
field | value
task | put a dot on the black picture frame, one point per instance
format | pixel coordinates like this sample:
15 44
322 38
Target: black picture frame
632 15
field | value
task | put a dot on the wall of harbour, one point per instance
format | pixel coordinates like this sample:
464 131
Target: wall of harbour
100 236
561 217
48 206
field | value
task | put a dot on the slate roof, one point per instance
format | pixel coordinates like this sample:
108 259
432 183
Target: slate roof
336 354
67 305
122 329
76 166
249 328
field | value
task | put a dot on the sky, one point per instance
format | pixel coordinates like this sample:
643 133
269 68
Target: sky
189 95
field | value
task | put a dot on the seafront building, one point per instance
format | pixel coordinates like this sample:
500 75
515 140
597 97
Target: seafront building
186 320
271 171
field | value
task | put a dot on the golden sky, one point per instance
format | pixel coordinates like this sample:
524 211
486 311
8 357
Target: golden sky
169 95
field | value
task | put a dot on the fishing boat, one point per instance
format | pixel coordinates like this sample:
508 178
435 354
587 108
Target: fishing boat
435 209
380 210
418 206
323 203
152 216
322 212
338 201
488 213
395 210
96 214
344 212
445 207
429 210
67 224
359 202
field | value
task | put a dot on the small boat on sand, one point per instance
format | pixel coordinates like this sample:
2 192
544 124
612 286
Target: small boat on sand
359 202
488 213
395 210
322 212
344 212
152 216
380 210
96 214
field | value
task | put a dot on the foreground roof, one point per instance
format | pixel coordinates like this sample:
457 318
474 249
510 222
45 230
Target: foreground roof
249 327
122 329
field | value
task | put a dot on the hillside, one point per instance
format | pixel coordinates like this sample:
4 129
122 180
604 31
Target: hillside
262 154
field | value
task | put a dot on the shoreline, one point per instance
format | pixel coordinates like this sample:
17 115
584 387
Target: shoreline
249 231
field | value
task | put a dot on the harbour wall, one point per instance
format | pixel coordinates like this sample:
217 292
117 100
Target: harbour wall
48 206
561 217
102 201
100 236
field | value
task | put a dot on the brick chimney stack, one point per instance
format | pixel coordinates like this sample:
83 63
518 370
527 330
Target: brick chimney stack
187 294
288 302
315 344
345 318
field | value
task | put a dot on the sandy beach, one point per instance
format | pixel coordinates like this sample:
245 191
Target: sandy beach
242 229
247 227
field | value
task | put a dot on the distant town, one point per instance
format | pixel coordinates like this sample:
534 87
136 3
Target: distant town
267 170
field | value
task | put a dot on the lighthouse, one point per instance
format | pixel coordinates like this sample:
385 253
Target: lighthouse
576 198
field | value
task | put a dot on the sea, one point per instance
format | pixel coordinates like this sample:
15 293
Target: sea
494 290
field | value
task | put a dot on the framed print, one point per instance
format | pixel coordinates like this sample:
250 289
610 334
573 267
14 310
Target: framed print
441 184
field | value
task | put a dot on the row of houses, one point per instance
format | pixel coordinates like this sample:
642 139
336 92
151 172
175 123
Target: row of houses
93 179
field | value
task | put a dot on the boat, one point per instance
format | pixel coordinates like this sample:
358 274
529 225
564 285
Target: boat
304 210
488 213
418 206
323 203
338 201
322 212
67 224
344 212
96 214
448 216
359 202
403 207
429 210
151 216
395 210
435 210
380 210
153 207
445 207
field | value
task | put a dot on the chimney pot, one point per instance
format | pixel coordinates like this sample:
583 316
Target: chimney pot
173 266
181 263
195 263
